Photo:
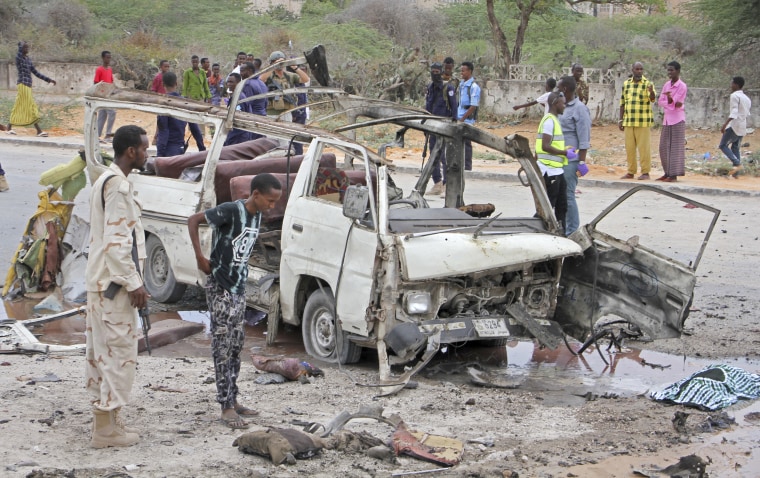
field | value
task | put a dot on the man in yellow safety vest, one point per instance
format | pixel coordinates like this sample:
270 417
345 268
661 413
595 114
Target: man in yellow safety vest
552 155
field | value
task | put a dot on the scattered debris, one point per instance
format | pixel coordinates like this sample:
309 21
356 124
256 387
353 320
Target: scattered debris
716 421
281 445
486 441
383 453
591 396
164 388
752 417
690 466
654 365
49 304
679 421
491 380
433 448
50 377
269 378
290 368
52 418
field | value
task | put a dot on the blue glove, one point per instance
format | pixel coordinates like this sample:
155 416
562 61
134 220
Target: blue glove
582 168
571 154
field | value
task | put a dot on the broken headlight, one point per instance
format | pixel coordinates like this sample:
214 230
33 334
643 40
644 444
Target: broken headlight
417 303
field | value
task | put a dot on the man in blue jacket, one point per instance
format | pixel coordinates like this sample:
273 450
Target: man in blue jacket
440 100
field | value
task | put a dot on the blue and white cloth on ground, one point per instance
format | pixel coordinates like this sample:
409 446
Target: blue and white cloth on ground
712 388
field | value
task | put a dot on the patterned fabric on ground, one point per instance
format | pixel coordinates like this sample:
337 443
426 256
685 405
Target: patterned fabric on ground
712 388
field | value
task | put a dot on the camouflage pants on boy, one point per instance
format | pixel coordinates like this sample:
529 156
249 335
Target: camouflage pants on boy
227 336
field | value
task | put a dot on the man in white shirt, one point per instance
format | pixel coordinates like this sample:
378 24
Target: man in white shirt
735 126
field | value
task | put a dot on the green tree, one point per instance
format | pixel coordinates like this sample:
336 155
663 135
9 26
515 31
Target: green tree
525 10
731 25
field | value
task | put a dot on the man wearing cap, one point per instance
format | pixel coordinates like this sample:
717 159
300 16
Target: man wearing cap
278 80
440 100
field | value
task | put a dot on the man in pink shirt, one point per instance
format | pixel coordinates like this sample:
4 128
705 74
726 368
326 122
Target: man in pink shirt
673 136
104 73
158 81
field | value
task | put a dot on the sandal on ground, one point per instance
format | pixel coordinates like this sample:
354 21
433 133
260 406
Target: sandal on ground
246 412
10 131
42 134
236 423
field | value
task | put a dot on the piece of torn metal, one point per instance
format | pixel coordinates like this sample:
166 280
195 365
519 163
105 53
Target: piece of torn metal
491 380
425 446
434 448
16 338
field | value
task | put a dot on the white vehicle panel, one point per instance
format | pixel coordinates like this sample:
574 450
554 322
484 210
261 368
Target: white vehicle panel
441 255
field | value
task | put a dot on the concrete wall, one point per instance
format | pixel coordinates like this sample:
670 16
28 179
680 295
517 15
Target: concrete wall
71 78
704 107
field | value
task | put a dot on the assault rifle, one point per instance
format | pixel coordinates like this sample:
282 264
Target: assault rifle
110 293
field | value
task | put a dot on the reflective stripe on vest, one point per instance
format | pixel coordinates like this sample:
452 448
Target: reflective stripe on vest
558 141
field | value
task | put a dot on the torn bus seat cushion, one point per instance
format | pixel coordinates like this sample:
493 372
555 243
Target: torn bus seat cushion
279 444
172 166
240 188
712 388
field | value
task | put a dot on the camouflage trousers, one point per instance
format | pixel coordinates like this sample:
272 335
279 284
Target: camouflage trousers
227 336
111 353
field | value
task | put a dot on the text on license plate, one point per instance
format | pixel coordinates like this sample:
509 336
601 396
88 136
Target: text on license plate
490 327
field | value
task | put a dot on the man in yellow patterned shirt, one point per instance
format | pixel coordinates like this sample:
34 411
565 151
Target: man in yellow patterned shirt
636 119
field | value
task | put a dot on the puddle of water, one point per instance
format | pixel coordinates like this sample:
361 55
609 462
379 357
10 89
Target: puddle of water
562 371
199 345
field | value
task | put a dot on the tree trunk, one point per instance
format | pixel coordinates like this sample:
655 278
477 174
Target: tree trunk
500 42
526 10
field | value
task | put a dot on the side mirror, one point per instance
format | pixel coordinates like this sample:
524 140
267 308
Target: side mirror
356 202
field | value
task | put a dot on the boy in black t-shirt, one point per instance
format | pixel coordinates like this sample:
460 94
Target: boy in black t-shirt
235 229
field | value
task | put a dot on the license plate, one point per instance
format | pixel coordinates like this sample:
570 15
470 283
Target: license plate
491 327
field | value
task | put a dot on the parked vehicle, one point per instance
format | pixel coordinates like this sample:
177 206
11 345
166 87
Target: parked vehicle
346 255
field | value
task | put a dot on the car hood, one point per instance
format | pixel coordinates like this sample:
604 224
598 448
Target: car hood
451 254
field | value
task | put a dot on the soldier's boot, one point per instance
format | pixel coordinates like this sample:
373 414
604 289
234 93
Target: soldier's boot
107 432
436 189
443 191
120 422
3 184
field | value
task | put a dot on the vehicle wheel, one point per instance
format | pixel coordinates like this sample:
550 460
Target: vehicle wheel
159 278
319 331
273 317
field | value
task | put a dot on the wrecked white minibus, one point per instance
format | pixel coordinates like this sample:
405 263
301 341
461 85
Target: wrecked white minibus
345 255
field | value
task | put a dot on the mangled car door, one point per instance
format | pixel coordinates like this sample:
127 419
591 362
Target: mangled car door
645 281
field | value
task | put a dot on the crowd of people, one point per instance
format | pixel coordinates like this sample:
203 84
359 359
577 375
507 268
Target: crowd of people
564 133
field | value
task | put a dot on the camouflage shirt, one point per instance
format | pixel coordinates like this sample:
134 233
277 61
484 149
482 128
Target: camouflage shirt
111 233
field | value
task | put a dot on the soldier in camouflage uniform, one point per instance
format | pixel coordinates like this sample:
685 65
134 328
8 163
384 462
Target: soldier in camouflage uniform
116 234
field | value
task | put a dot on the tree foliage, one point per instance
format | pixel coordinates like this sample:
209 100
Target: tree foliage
525 9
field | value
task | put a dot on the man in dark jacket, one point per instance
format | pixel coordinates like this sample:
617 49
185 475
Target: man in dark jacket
440 100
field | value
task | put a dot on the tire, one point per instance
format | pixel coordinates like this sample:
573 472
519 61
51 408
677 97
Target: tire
319 331
159 278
